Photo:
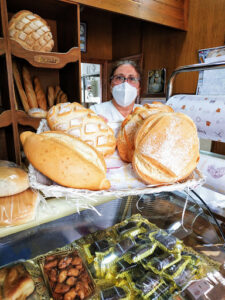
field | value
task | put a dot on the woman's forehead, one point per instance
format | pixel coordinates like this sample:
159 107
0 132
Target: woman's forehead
126 69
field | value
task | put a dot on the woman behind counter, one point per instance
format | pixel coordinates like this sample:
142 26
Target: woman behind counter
125 88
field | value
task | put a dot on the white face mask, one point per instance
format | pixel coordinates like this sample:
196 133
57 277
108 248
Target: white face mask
124 94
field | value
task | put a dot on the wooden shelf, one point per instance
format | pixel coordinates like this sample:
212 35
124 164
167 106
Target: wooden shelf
52 60
2 46
21 117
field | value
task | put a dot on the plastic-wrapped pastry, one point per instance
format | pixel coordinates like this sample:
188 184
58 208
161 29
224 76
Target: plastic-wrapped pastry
159 263
185 276
176 269
163 292
167 242
147 285
123 246
123 266
139 252
113 293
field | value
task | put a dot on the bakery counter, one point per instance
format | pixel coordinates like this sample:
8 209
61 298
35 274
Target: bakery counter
174 211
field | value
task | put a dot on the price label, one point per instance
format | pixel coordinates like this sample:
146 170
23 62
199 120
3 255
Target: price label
46 59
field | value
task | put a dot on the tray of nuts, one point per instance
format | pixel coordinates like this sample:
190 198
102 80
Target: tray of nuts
66 275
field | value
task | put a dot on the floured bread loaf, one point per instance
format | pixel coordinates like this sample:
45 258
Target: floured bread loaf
166 148
18 209
13 179
66 159
129 127
17 283
31 31
78 121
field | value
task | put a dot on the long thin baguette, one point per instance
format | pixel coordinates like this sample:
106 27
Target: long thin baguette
40 95
31 97
19 85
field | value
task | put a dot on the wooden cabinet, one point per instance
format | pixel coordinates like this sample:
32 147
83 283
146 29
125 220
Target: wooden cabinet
59 67
172 13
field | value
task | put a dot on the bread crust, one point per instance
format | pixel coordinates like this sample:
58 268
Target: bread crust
31 96
129 127
18 209
65 159
166 148
40 95
74 119
13 179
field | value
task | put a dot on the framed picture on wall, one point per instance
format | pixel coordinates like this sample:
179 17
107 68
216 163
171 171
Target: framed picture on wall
156 82
83 37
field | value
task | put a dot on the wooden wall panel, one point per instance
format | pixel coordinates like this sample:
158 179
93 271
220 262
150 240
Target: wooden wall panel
167 12
99 34
164 47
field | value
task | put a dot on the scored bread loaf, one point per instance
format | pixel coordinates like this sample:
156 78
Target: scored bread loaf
129 127
18 209
31 31
13 179
19 85
17 284
166 148
37 113
31 96
40 95
65 159
78 121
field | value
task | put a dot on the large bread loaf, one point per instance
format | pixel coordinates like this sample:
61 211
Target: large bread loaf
166 148
78 121
31 31
65 159
129 127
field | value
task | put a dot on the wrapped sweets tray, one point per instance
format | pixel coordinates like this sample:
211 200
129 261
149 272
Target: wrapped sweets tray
133 259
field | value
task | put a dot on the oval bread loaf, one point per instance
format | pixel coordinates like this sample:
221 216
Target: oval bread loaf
78 121
13 179
65 159
129 127
166 148
31 31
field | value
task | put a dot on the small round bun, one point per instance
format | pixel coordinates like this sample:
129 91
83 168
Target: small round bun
166 148
13 179
129 127
37 113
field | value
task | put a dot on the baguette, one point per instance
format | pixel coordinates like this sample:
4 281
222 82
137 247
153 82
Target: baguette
60 93
57 90
51 96
166 148
66 160
63 98
31 97
19 85
40 95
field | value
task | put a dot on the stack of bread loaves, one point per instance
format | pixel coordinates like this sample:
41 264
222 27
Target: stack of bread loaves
18 202
162 145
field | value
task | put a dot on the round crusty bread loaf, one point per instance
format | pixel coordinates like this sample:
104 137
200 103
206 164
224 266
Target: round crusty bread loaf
18 209
13 179
166 148
78 121
65 159
31 31
129 127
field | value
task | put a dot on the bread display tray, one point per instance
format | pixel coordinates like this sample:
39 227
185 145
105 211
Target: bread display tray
122 178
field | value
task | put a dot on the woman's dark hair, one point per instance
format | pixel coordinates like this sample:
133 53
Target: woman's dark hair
118 63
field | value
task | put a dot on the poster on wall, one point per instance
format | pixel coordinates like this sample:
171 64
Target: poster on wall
211 82
83 37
